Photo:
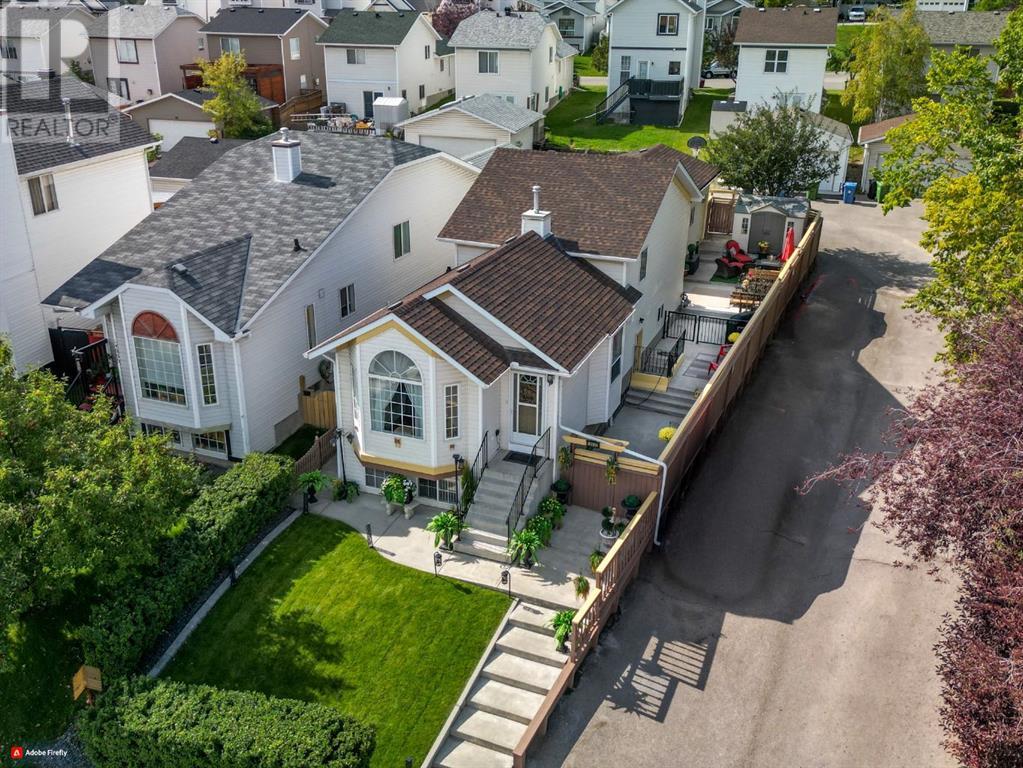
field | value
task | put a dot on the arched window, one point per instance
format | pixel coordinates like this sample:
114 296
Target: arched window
395 395
158 355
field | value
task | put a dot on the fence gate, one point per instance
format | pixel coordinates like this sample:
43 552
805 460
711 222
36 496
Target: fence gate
701 329
719 220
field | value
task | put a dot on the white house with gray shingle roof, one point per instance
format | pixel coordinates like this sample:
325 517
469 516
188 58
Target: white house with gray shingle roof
580 22
42 41
520 57
212 300
473 124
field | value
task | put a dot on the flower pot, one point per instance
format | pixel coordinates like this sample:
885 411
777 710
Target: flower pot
607 539
630 510
527 563
409 510
562 496
393 508
310 492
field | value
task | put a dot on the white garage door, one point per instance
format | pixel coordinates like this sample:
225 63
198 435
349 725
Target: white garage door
173 130
453 145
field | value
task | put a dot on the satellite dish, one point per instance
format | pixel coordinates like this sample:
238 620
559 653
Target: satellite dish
696 143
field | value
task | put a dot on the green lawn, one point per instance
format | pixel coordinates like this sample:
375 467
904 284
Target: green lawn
567 129
322 617
301 441
847 33
584 67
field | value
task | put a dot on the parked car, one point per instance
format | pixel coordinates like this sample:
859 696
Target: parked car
857 13
717 69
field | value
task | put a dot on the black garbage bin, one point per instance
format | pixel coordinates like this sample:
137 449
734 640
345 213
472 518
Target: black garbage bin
737 322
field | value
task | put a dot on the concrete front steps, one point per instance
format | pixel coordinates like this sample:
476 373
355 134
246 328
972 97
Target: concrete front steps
673 402
522 667
487 536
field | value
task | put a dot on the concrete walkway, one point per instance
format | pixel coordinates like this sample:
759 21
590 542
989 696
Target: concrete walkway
594 81
549 583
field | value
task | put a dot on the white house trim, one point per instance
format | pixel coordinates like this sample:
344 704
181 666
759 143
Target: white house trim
243 416
90 310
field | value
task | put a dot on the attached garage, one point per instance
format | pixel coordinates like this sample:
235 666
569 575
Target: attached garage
175 130
179 114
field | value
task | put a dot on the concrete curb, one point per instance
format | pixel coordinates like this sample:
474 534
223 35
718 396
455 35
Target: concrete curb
211 601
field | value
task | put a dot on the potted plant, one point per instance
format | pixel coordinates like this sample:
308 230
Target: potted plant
394 492
562 624
445 527
551 507
542 526
582 586
632 503
565 458
611 469
561 487
345 491
596 556
523 546
764 247
609 529
313 482
666 433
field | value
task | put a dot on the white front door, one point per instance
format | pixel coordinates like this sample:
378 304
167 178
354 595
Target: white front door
644 70
527 411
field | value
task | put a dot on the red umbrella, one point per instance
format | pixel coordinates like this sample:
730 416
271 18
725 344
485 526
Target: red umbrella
790 244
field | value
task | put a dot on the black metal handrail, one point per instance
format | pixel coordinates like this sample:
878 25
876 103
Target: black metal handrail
96 376
528 476
471 481
661 362
646 87
697 328
613 99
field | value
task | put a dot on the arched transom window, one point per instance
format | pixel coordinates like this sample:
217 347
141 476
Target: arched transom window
396 395
158 355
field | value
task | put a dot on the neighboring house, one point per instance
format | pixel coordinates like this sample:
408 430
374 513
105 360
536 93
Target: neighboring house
630 215
721 13
976 30
517 56
278 245
178 166
873 137
580 23
368 55
65 200
281 39
840 141
473 124
42 41
137 50
383 6
176 115
945 6
470 361
654 59
204 9
784 51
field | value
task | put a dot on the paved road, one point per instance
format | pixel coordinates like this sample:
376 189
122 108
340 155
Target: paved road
772 629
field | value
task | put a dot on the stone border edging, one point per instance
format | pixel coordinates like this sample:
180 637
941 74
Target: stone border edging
222 588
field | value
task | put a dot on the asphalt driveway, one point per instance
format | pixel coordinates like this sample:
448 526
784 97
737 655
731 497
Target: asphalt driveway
772 629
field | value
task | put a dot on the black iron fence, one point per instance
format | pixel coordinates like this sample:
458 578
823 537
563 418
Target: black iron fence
537 458
95 376
661 362
471 479
651 89
700 329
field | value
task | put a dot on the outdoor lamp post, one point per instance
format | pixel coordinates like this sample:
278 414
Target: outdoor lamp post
458 474
437 560
506 580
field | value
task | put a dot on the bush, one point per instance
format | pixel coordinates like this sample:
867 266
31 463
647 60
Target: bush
163 724
224 518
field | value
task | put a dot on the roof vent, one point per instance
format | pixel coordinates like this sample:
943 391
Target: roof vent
70 122
298 247
180 268
287 157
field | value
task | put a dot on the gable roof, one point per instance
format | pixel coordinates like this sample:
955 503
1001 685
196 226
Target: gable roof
965 28
689 5
487 107
195 96
596 203
791 26
487 29
256 21
191 156
139 22
871 132
350 27
721 7
23 22
38 105
564 50
571 5
569 308
795 207
829 124
237 197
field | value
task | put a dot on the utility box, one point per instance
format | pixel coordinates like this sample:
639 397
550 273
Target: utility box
388 111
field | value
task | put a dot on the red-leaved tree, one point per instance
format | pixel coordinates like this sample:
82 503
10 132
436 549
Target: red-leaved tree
951 485
450 14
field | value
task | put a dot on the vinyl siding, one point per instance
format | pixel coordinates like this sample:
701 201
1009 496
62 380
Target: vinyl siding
414 69
143 78
804 76
310 62
454 124
596 401
513 78
177 45
346 82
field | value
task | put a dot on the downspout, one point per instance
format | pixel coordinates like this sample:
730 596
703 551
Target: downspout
658 462
338 431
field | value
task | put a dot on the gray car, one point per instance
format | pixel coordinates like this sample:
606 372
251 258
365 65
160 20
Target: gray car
717 69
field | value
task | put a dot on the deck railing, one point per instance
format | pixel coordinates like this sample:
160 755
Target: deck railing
611 102
96 376
697 328
654 89
661 362
537 458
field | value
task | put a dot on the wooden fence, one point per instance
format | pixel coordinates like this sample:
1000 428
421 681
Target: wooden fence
616 570
323 448
317 405
309 101
588 475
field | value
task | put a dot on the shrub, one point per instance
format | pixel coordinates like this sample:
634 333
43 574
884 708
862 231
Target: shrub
164 724
225 517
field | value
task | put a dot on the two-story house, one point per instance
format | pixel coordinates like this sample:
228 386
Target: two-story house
279 45
783 51
137 50
580 22
654 59
975 30
369 54
51 224
629 215
724 13
43 41
279 244
518 56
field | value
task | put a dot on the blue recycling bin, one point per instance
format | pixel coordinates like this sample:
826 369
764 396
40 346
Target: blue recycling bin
849 192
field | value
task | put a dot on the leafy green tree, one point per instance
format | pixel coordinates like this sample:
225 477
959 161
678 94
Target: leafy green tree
235 108
721 46
887 66
598 57
994 5
964 151
774 151
79 496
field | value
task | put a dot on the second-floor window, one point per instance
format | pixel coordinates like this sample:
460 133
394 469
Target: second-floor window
43 194
426 52
355 55
616 354
207 380
642 264
230 45
450 411
127 52
776 61
667 24
8 50
488 62
347 300
402 239
295 48
158 356
566 26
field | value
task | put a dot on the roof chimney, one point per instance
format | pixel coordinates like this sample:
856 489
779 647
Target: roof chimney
287 155
535 220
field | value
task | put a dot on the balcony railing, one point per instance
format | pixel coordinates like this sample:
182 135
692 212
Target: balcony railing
654 89
96 377
661 362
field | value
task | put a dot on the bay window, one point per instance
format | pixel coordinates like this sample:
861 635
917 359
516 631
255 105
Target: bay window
158 356
395 395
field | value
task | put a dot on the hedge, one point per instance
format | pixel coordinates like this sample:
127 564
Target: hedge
164 724
217 526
